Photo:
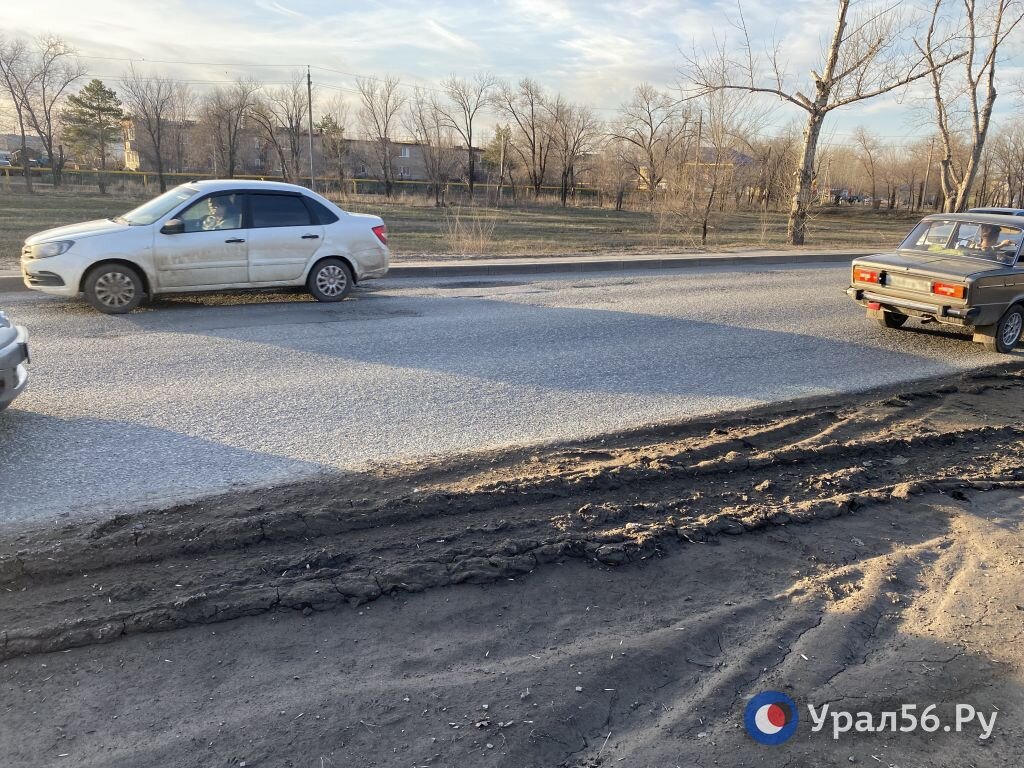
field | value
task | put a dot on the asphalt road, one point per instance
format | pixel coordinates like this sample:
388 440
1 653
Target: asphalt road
202 394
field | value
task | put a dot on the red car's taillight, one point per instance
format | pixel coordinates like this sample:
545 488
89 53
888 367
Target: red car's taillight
862 275
381 231
947 289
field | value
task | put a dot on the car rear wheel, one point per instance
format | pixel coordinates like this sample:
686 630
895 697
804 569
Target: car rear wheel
114 289
330 280
892 320
1007 331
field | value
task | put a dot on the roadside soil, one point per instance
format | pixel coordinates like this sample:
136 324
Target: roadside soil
615 602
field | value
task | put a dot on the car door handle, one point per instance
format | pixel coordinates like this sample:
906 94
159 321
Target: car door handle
311 237
235 240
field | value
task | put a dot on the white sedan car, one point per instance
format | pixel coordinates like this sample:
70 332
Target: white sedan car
210 236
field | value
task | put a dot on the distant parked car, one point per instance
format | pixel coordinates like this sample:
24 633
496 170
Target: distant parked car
13 359
210 236
955 269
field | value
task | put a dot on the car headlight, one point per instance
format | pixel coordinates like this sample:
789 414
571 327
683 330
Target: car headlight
55 248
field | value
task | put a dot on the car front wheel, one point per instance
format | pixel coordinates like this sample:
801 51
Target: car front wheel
1007 331
330 280
114 289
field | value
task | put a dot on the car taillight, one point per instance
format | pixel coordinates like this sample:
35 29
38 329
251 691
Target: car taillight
948 289
381 232
862 275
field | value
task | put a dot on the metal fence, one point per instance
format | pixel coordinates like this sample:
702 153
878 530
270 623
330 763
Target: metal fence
147 183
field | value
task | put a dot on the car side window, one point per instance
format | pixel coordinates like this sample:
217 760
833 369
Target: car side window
214 213
279 211
322 213
938 234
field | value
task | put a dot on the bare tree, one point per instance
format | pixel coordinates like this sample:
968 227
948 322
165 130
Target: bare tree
868 148
57 70
264 115
289 105
467 98
964 103
1007 149
38 80
532 141
616 174
431 129
575 129
14 69
184 104
652 125
727 119
225 111
775 157
866 57
334 140
150 100
381 104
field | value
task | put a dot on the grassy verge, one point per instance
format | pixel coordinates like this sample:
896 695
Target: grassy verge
420 230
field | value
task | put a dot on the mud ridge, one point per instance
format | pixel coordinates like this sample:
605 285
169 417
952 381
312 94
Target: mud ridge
612 502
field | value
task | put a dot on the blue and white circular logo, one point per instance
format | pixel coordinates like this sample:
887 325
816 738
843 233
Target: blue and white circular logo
771 717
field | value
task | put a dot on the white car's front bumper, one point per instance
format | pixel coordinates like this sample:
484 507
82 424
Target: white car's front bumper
57 275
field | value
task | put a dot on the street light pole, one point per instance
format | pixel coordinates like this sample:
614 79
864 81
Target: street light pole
309 95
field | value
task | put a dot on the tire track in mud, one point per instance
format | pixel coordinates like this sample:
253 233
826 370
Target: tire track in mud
614 500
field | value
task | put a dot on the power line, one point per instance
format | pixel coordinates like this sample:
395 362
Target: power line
343 89
196 63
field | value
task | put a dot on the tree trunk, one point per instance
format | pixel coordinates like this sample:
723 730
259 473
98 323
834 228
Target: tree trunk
103 165
160 170
959 203
57 166
797 226
24 161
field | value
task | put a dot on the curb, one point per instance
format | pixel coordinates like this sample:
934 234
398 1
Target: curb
543 266
12 281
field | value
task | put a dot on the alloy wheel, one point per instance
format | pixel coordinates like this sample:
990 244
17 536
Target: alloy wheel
331 280
1012 329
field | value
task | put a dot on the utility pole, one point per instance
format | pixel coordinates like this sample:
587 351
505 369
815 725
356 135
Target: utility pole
309 96
927 173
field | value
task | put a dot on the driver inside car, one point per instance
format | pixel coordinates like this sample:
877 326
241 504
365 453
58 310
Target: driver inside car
225 213
989 242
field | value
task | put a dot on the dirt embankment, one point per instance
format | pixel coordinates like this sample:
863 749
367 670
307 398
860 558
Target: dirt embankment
863 551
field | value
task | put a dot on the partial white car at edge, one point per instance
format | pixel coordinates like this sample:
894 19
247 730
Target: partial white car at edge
13 359
210 236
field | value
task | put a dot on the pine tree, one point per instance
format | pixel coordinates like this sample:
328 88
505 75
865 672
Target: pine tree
92 122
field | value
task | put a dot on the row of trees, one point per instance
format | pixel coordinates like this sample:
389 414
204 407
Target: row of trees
701 143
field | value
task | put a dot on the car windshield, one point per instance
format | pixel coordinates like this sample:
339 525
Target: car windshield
965 239
158 207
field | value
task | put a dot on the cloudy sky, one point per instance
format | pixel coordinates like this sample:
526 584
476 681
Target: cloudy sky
593 51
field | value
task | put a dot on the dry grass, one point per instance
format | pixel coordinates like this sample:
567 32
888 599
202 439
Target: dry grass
419 229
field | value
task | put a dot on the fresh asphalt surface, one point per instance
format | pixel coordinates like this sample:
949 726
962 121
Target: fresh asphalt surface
201 394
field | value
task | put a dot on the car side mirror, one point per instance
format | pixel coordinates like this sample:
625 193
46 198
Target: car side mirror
173 227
